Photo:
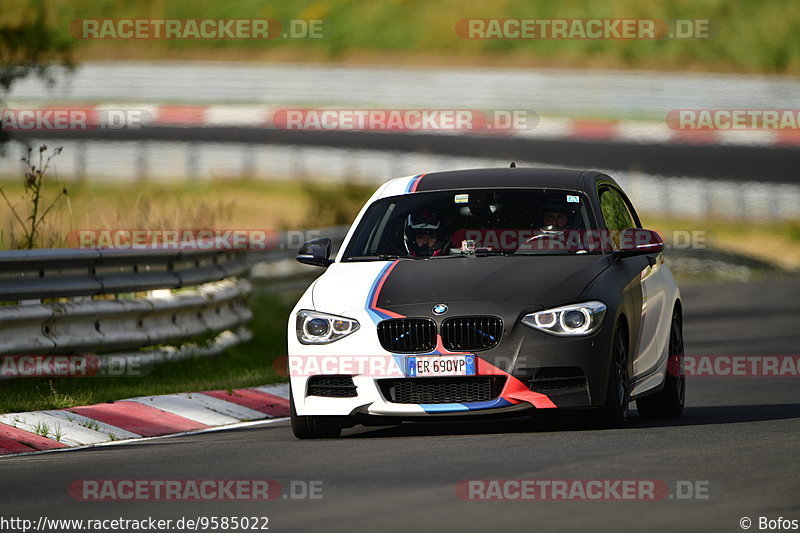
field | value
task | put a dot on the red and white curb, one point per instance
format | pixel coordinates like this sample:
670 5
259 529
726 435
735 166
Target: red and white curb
134 418
546 128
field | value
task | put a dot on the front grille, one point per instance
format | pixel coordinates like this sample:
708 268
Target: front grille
407 335
471 333
332 386
442 390
558 379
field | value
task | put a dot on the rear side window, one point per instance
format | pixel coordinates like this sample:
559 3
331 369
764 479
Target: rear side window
615 212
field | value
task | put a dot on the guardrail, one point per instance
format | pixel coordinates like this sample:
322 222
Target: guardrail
68 301
66 272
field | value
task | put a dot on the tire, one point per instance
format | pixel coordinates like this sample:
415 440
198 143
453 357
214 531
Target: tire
614 414
313 427
669 400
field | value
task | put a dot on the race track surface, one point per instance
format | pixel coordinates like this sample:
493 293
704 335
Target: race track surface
773 164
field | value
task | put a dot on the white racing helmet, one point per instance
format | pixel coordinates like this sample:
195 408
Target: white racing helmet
425 220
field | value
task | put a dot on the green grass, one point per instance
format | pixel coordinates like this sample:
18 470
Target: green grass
246 365
747 35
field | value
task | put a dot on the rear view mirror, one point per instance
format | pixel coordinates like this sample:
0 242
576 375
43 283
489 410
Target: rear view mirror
315 252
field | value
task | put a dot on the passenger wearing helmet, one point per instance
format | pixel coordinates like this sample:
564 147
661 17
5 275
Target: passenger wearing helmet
425 234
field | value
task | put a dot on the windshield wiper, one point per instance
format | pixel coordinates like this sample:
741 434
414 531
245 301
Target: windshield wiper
378 257
485 253
476 253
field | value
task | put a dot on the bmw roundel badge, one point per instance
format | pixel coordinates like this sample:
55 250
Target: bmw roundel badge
439 309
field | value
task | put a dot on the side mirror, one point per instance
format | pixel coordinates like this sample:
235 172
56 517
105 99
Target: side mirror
315 252
636 241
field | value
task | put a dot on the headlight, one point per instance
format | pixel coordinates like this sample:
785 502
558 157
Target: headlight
578 319
321 328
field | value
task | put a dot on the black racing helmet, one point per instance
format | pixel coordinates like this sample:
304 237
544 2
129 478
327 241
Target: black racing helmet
558 206
425 220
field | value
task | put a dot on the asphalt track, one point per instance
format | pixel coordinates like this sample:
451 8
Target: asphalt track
740 435
773 164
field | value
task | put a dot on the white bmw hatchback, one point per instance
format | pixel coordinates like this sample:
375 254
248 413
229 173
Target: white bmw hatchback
490 292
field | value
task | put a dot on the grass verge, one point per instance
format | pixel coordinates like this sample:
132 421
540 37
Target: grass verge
777 243
220 204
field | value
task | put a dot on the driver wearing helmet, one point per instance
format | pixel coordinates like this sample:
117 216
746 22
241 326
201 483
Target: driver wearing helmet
556 216
556 232
425 234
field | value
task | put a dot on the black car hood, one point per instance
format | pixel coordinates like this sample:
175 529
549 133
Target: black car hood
528 280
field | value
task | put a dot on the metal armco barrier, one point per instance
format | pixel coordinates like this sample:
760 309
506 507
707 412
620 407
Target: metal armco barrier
66 272
68 301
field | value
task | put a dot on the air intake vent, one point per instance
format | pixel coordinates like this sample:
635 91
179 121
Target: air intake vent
332 386
471 333
442 390
407 335
558 379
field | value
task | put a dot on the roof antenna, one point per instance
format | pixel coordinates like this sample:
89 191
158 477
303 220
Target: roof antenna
513 165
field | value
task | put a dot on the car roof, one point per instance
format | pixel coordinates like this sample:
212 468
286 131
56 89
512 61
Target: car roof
572 179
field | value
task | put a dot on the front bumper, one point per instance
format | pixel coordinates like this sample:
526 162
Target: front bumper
538 371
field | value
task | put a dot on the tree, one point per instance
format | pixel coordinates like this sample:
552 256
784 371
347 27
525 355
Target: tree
29 46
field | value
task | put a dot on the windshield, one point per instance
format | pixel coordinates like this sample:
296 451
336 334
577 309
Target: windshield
474 222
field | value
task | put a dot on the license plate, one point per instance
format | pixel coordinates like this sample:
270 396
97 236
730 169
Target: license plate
440 365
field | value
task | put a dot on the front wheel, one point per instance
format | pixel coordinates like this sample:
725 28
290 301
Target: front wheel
313 427
669 400
614 413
